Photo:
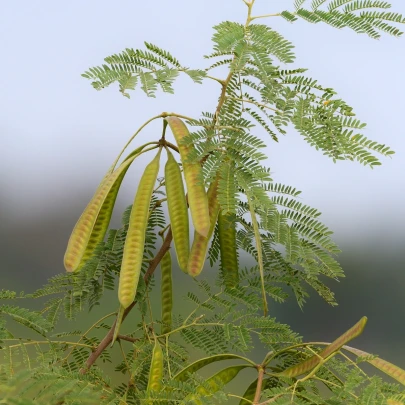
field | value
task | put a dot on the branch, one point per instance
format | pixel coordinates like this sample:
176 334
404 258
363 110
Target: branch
259 385
108 338
127 338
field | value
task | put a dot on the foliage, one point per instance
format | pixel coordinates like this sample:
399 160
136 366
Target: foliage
290 249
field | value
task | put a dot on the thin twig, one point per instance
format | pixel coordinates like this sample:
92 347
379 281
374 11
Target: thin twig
265 16
258 392
127 338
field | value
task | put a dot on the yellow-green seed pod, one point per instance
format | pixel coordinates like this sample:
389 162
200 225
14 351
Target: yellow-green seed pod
103 220
216 382
197 197
178 211
166 292
199 247
78 246
386 367
228 250
156 369
313 361
135 240
192 368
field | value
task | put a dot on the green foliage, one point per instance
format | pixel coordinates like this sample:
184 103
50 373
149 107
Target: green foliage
290 249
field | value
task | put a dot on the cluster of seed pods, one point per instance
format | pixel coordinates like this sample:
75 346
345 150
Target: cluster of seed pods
204 207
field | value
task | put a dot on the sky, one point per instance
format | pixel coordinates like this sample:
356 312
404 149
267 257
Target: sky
59 136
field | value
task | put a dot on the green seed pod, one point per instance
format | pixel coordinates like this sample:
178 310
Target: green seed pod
156 369
166 292
197 197
388 368
199 247
178 211
217 381
313 361
228 250
135 240
103 220
91 226
184 374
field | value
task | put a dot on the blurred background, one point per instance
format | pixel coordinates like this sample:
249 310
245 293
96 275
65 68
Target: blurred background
59 136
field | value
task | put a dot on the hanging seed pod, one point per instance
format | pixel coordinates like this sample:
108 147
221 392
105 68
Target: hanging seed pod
197 197
228 250
135 240
199 247
103 220
156 369
178 211
186 372
92 225
216 382
166 292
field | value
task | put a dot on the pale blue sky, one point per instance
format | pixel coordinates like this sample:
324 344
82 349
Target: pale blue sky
59 135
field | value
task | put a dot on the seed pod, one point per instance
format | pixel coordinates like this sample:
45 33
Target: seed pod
197 197
85 231
199 247
103 220
228 250
156 369
313 361
135 240
388 368
217 381
178 211
184 374
166 292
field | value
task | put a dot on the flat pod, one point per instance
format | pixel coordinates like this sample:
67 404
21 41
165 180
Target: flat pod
156 369
178 211
135 240
217 381
85 230
313 361
197 197
388 368
184 374
103 220
228 249
199 247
